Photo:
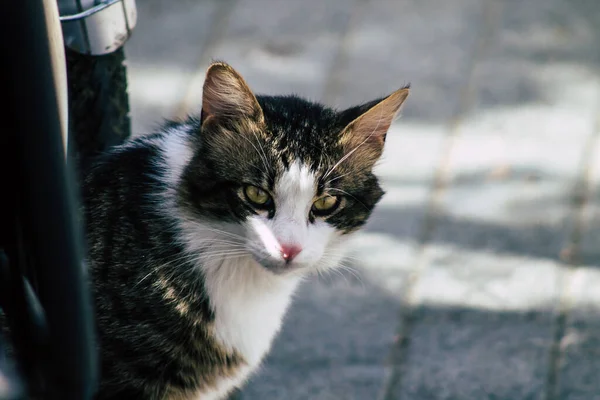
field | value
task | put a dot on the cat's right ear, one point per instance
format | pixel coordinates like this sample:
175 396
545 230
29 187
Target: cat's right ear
226 95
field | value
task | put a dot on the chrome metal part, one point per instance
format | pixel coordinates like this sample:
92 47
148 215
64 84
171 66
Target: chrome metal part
97 27
59 67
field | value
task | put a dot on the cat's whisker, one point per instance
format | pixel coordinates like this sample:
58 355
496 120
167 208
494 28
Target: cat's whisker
221 248
212 255
257 169
224 243
264 155
184 258
221 251
146 276
351 271
229 235
263 158
355 171
226 239
349 257
341 265
349 195
356 262
178 273
341 176
221 244
220 231
320 274
193 258
337 271
250 244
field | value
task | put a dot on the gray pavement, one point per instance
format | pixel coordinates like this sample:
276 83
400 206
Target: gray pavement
477 276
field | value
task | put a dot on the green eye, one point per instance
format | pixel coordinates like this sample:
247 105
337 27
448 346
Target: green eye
325 205
257 196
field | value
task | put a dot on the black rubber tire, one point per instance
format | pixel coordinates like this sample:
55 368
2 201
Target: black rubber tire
98 104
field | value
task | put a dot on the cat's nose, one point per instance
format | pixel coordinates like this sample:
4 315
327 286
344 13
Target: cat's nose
289 252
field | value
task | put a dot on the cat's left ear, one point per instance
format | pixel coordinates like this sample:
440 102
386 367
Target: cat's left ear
364 137
226 95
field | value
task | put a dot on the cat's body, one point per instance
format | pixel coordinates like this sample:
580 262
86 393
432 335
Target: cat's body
199 235
160 290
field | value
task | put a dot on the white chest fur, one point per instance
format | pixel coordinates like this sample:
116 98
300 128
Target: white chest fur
249 305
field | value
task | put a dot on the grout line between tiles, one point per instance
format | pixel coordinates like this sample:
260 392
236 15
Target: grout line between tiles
582 193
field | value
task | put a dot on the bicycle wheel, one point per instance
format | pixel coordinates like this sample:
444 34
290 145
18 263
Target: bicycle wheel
98 104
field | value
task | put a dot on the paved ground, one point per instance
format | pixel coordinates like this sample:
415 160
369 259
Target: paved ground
477 277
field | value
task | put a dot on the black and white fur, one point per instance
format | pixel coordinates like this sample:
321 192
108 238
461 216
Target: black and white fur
190 280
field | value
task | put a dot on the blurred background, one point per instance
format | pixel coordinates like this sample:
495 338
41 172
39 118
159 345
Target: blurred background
478 275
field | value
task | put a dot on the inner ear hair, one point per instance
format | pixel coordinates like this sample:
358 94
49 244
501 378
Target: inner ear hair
226 94
364 137
374 123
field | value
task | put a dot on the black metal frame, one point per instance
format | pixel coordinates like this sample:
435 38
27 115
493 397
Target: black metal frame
47 299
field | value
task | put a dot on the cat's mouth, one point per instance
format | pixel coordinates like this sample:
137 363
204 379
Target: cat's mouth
278 267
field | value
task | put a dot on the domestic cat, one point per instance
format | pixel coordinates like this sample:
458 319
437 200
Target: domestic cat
199 234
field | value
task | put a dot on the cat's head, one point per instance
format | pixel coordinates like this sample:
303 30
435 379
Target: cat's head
292 177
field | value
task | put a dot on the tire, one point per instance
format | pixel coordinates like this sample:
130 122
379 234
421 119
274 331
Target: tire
98 104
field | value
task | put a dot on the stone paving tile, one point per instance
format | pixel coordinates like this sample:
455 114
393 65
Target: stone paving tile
163 55
474 354
280 49
509 199
482 329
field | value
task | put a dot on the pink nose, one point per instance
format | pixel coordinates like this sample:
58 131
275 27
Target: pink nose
289 251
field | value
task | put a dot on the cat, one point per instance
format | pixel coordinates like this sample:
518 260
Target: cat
199 234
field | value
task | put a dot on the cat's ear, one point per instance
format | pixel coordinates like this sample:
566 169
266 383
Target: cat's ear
226 95
364 136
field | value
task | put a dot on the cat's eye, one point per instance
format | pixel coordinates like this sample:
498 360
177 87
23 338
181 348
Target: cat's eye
257 197
325 205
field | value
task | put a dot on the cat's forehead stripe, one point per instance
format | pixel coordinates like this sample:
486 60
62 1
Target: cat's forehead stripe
296 180
302 175
294 194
